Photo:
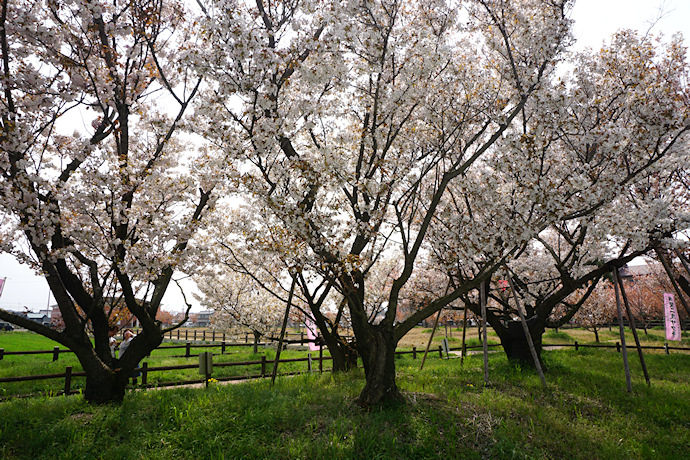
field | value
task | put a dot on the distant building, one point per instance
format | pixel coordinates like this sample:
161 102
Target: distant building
39 318
203 318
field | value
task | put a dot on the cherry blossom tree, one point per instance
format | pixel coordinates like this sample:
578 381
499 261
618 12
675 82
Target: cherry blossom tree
565 198
598 311
348 121
240 303
98 194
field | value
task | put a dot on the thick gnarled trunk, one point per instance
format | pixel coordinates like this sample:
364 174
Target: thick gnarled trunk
106 386
515 343
378 357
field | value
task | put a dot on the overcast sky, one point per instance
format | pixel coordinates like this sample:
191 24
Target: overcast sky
595 20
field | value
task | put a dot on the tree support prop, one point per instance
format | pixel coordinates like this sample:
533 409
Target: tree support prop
525 328
633 327
622 331
282 331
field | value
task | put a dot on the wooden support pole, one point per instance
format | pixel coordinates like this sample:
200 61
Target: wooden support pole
631 319
144 372
68 380
282 331
669 272
428 345
463 351
263 366
682 260
56 353
525 328
485 345
622 331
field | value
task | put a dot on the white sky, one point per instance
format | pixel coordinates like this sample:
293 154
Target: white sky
595 20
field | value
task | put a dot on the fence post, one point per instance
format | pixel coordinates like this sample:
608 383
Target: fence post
301 338
222 347
414 352
223 336
213 336
68 379
195 335
666 347
618 347
56 353
189 346
2 352
203 336
309 362
246 337
440 351
144 372
263 366
320 359
577 346
186 334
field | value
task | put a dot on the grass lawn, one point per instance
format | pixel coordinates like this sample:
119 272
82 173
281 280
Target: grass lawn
585 413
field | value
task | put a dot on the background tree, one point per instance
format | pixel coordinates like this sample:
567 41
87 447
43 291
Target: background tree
95 193
239 304
598 310
571 206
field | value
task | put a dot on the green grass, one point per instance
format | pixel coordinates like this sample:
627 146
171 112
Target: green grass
584 413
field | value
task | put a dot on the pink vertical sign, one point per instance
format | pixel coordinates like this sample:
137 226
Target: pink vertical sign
672 320
311 334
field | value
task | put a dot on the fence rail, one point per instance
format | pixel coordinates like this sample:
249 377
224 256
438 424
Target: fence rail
146 370
188 345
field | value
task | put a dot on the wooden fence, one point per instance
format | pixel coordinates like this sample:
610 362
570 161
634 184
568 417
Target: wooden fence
56 351
262 363
146 370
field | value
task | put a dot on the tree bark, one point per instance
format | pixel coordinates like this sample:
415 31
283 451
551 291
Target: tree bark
344 355
257 336
515 343
378 358
106 386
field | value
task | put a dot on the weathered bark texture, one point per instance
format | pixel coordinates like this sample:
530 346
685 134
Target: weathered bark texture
515 343
343 353
378 358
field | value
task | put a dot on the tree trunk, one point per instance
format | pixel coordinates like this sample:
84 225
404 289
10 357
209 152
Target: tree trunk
106 378
515 343
106 386
378 357
105 382
344 354
596 335
257 336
